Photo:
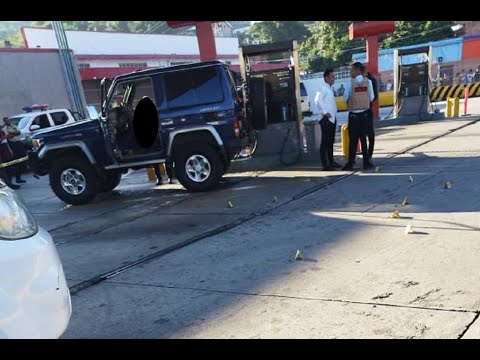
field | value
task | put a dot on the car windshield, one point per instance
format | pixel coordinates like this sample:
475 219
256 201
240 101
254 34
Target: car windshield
21 121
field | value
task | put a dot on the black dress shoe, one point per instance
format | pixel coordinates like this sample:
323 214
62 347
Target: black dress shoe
367 166
327 168
20 181
348 167
13 186
336 165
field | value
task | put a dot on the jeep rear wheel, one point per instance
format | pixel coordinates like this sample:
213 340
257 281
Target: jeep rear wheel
73 180
199 167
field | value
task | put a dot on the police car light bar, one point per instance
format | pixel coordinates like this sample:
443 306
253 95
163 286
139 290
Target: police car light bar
41 107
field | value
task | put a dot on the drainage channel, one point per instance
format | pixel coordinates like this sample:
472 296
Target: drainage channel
221 229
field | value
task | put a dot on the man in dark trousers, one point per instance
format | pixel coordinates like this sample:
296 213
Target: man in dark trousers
17 147
370 129
358 96
327 107
6 156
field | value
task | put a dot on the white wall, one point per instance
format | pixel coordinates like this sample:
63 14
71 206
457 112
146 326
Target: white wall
312 86
29 78
94 43
94 63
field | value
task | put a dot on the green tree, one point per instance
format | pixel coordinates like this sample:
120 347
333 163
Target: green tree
15 40
43 24
414 32
274 31
328 46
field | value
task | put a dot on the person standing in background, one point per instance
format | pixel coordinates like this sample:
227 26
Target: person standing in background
6 155
358 96
370 129
327 107
17 147
457 80
470 76
389 86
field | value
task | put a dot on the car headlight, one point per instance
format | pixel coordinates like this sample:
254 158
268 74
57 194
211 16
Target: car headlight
16 221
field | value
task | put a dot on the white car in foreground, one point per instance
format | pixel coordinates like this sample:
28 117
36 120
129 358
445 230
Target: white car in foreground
34 296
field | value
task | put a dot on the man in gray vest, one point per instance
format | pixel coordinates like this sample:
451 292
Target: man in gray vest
358 95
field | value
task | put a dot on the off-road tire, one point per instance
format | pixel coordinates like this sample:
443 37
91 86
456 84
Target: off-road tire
217 168
85 168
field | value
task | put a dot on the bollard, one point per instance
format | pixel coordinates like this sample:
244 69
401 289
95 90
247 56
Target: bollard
448 110
345 140
151 174
456 107
467 94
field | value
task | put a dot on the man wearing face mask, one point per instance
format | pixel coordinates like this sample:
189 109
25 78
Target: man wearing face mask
358 95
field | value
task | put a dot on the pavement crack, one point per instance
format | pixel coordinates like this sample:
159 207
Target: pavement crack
382 296
244 293
468 326
424 296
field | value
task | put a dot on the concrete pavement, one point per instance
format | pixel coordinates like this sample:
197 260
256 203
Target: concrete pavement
361 276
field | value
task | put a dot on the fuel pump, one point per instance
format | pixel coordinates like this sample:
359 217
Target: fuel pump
412 73
271 73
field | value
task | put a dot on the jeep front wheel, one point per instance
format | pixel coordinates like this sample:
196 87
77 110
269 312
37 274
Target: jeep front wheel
198 168
73 180
109 181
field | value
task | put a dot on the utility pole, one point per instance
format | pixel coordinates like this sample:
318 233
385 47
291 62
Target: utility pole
69 68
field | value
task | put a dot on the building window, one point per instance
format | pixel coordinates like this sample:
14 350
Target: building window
133 65
83 66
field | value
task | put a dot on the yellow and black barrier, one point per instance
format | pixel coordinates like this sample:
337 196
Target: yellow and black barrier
13 162
438 93
385 98
442 93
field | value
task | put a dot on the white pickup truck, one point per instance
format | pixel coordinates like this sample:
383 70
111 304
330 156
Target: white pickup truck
30 122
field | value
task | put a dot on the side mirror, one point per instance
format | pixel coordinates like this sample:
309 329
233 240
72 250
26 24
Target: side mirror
92 112
34 127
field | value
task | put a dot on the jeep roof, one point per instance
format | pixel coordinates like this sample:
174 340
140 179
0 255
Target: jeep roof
160 70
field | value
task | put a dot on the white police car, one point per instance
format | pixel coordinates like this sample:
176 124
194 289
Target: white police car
34 296
38 117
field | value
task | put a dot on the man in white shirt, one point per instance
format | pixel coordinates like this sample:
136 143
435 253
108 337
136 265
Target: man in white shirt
325 101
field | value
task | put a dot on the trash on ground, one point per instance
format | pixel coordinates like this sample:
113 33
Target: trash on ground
298 256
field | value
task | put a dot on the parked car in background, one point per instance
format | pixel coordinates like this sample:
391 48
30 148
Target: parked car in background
305 103
38 118
34 296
